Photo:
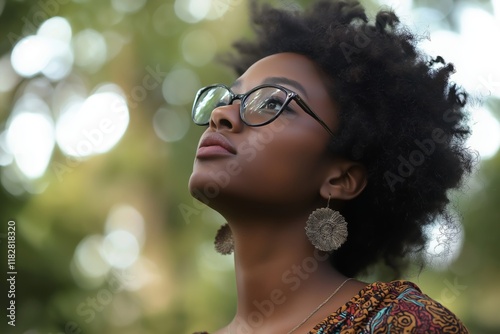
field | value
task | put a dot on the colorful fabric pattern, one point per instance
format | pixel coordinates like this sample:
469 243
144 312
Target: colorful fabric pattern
394 307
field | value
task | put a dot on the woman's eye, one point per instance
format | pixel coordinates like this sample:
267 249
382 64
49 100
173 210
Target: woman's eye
272 104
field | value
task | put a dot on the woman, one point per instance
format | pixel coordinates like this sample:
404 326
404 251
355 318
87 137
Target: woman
330 153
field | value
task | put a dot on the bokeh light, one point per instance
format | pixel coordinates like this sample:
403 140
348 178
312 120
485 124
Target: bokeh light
171 124
192 11
125 217
31 55
180 86
47 52
30 135
120 249
485 133
67 93
445 241
30 138
128 6
57 28
93 126
219 8
89 259
90 50
198 47
474 70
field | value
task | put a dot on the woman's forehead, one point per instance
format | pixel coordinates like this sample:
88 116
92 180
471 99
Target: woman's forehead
295 71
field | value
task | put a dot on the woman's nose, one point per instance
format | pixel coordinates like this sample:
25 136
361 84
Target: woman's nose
226 117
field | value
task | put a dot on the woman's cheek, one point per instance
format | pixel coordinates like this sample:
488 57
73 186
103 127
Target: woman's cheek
246 151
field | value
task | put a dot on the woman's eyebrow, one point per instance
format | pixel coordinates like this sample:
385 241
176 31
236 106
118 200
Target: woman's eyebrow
286 81
278 81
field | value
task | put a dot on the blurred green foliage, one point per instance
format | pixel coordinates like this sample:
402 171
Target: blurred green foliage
181 285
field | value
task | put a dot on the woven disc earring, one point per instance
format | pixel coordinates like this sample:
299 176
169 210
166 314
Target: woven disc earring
224 243
326 229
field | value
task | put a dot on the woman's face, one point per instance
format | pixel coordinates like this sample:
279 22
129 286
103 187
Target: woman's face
278 166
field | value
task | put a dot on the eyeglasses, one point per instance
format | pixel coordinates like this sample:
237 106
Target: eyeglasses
260 106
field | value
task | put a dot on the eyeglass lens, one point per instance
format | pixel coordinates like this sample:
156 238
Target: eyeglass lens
209 100
259 107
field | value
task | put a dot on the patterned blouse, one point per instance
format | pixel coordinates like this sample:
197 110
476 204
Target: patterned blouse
394 307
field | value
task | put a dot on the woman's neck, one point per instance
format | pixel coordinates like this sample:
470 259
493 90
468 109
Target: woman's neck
279 276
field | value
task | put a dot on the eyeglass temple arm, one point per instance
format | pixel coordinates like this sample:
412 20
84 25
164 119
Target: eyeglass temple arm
308 110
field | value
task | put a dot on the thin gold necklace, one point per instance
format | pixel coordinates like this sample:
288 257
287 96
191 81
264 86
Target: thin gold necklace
314 311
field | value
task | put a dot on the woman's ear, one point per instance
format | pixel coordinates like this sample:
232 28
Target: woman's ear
344 180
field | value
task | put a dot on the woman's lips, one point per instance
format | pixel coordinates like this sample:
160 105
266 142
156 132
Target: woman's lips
214 144
209 151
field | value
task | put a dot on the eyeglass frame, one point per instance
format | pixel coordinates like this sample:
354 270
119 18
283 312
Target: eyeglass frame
290 95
